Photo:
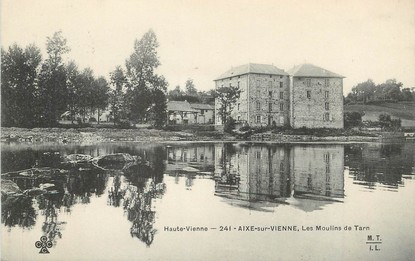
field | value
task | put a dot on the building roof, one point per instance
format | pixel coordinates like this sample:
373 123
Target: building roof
201 106
252 68
179 106
310 70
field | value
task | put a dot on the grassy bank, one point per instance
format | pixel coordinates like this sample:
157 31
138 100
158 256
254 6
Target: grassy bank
94 135
90 135
403 110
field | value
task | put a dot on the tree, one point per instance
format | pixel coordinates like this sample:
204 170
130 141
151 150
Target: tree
86 92
407 94
141 78
19 70
116 96
175 93
159 108
53 93
73 85
226 97
100 95
391 89
363 91
190 88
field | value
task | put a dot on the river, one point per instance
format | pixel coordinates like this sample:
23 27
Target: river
213 201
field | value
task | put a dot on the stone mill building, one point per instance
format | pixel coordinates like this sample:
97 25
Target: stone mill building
305 96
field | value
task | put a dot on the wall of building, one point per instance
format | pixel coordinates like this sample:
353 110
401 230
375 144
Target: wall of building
205 118
240 111
260 86
255 89
181 117
311 111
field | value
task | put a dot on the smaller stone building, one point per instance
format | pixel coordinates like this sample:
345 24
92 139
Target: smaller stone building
183 112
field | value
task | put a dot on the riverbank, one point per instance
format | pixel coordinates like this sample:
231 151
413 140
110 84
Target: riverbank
94 135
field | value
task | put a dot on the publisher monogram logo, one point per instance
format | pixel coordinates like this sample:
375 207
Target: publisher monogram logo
43 244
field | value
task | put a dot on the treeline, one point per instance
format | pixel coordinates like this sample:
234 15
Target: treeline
191 94
37 92
369 92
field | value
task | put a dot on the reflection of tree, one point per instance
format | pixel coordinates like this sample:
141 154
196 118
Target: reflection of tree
145 185
49 206
115 194
379 163
227 180
18 211
138 205
80 185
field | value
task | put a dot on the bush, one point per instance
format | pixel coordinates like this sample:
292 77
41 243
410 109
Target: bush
229 125
245 128
92 119
352 119
123 124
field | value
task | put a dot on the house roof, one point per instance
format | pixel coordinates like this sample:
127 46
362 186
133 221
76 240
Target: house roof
179 106
310 70
252 68
201 106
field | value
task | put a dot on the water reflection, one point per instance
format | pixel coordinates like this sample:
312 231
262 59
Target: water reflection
380 165
255 176
265 173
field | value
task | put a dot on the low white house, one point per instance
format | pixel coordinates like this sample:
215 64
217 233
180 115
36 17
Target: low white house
183 112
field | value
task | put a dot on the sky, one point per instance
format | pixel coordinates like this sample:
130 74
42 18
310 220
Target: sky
202 39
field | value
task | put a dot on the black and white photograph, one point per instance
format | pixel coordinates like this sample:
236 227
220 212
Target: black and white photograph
207 130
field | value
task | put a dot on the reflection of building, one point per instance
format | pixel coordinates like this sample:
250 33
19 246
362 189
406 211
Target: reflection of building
276 173
199 157
318 170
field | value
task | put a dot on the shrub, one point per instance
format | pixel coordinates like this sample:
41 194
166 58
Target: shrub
245 128
229 125
352 119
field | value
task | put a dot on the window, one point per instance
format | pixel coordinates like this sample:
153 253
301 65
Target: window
202 112
239 118
238 106
326 82
230 84
308 82
270 106
258 105
326 105
309 94
281 106
258 119
281 84
326 94
281 95
238 84
326 116
257 154
270 94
